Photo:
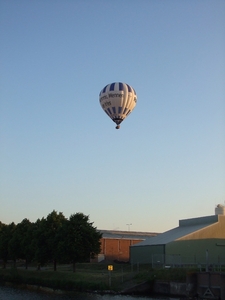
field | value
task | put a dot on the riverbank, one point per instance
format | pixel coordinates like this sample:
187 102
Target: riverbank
95 278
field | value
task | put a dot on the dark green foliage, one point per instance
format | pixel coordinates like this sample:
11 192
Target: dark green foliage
48 238
81 239
52 239
6 234
20 245
28 246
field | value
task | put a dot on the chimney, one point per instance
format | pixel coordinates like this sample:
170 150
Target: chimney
220 210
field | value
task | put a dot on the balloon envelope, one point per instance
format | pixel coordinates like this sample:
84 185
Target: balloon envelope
118 100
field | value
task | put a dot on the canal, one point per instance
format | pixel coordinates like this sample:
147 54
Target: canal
10 293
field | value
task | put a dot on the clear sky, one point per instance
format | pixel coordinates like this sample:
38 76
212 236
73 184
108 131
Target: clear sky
60 151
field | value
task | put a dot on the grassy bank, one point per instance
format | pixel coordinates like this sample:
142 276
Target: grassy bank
89 276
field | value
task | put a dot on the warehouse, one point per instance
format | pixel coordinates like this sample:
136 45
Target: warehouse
198 242
115 244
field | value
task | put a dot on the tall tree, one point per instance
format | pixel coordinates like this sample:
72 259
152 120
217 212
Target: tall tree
27 244
6 234
21 241
54 223
82 240
48 238
40 242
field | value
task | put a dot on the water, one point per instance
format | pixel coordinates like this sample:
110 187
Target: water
9 293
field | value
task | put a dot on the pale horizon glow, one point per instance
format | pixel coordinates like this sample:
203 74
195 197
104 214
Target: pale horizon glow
59 150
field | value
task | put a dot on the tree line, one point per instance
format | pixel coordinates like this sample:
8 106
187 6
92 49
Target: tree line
52 239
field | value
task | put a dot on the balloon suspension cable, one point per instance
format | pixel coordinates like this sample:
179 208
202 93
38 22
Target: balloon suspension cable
118 127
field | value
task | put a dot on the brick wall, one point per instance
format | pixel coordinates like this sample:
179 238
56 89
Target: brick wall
117 249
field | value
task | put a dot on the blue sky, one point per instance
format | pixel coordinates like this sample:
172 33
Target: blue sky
60 151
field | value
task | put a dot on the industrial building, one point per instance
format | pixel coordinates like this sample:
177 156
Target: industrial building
115 244
197 241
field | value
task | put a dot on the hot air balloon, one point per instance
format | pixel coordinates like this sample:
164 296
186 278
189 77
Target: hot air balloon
118 100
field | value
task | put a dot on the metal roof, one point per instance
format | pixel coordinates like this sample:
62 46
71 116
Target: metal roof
186 227
131 235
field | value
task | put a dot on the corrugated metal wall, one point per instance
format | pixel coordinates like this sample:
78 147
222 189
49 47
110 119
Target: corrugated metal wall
211 251
147 254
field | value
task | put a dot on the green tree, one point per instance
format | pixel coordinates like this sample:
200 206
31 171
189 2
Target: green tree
48 237
40 242
6 234
21 241
27 241
54 223
82 240
14 248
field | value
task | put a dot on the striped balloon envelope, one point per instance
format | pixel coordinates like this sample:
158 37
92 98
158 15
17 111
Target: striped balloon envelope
118 100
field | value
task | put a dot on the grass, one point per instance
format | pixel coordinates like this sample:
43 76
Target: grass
90 276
